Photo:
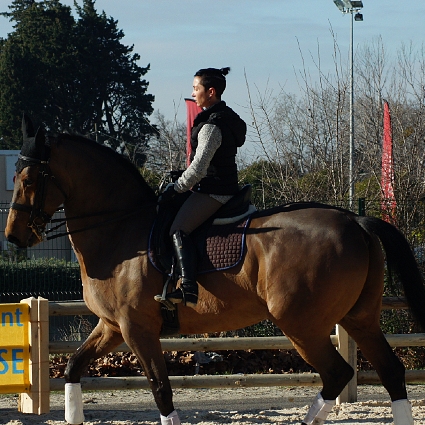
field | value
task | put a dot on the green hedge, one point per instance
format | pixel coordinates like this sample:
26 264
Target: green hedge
53 279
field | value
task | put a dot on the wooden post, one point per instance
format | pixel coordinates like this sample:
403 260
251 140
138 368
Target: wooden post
37 399
347 347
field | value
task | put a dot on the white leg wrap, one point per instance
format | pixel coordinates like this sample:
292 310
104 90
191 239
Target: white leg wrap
171 419
73 404
402 412
319 410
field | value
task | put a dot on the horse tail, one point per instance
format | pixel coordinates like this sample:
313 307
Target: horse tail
400 262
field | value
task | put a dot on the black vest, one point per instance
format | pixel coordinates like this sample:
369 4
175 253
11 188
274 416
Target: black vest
222 173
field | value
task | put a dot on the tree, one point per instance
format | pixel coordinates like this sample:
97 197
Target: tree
73 76
33 61
302 138
266 184
167 149
306 137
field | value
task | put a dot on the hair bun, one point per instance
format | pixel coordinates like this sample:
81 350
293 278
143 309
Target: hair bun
225 71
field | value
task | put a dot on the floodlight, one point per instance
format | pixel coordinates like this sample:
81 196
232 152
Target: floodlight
346 6
340 5
358 17
356 4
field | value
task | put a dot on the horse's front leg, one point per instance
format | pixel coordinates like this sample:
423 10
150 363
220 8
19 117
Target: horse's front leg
147 348
101 341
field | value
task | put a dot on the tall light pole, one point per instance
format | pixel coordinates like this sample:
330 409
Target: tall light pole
351 7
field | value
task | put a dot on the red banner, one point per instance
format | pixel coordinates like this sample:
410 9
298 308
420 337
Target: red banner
192 110
387 176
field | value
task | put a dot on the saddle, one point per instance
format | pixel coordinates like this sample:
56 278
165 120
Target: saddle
218 240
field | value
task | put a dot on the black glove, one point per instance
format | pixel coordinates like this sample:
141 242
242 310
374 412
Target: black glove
168 194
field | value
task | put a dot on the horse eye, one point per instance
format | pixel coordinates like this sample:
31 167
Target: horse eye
28 182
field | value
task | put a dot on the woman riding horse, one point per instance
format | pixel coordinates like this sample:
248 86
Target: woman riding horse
212 175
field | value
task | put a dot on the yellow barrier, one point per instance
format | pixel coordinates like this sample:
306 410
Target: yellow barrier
24 353
14 348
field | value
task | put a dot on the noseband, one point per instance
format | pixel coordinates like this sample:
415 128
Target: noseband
38 217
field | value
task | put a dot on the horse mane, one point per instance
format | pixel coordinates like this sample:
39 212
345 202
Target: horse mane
116 159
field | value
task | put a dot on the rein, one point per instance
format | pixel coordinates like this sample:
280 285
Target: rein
94 226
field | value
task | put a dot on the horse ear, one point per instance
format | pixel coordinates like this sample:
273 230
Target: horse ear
34 147
27 127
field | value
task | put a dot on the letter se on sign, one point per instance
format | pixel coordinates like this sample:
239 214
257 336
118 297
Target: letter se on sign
14 348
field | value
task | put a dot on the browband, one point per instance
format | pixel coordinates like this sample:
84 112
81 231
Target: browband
28 159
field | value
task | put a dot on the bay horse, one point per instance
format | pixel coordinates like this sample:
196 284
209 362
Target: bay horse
304 270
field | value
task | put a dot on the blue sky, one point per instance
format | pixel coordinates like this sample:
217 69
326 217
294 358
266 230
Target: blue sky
262 38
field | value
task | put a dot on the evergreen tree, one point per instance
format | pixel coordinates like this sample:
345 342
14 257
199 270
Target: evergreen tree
34 64
72 75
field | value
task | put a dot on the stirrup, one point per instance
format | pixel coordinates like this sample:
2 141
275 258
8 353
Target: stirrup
167 303
162 298
189 299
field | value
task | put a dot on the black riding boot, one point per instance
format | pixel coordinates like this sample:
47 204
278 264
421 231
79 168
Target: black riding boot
185 252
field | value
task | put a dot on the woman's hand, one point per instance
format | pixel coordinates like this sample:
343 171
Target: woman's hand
168 194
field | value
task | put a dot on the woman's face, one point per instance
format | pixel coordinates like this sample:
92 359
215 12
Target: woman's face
203 98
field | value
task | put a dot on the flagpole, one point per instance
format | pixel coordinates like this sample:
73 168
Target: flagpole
351 147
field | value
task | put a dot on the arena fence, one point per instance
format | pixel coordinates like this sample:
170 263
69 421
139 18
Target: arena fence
36 400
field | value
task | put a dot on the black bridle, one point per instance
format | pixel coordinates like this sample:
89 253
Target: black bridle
39 218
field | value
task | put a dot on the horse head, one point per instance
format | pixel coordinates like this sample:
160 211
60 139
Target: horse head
32 206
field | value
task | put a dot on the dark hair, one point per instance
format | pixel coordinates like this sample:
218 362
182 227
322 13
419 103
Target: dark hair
212 77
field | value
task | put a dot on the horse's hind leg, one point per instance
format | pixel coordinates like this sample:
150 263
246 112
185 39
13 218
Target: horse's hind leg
376 349
390 370
363 324
335 372
101 341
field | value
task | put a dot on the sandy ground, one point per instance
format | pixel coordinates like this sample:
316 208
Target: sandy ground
243 406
